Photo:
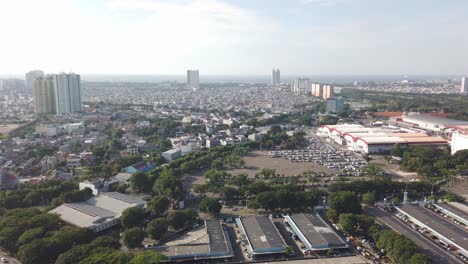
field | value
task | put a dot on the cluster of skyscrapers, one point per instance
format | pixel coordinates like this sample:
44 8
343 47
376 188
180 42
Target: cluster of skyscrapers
306 87
55 93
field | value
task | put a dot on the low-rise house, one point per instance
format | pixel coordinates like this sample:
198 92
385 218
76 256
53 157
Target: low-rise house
171 154
143 166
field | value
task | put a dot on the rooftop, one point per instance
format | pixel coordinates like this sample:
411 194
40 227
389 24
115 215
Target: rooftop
319 234
201 243
428 118
262 234
101 208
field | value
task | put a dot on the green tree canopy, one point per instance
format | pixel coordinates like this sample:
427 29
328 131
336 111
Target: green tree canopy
157 228
176 219
210 205
344 202
139 182
132 217
133 237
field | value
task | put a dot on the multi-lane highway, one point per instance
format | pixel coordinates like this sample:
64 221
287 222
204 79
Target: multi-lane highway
436 253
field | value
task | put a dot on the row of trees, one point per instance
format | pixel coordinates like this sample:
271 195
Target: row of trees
345 209
276 136
404 102
431 161
383 187
400 249
105 250
55 191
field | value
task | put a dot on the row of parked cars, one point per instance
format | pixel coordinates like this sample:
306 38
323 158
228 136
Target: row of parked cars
326 155
424 231
367 247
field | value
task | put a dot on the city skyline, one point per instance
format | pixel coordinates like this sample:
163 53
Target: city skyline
330 37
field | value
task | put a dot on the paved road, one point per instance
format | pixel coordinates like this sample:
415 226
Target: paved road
238 254
287 238
437 254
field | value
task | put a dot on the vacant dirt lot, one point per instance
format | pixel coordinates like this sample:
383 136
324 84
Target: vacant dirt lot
6 128
393 169
258 160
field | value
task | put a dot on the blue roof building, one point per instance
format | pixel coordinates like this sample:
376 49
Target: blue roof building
143 166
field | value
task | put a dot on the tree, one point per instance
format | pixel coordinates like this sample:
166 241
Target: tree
191 215
132 217
176 219
167 184
396 151
105 241
133 237
147 257
157 228
395 200
351 223
210 205
229 193
139 181
31 234
159 205
369 198
74 255
106 256
37 252
344 202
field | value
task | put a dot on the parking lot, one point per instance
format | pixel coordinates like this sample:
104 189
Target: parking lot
325 154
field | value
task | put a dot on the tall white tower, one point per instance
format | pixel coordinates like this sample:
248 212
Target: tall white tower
44 95
67 93
193 79
464 85
275 76
30 77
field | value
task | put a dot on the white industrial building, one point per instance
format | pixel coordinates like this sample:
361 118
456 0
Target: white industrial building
370 140
430 122
98 213
459 141
171 154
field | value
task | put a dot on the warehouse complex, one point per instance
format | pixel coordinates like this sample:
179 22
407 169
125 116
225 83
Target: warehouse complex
314 232
260 236
371 140
98 213
430 122
209 242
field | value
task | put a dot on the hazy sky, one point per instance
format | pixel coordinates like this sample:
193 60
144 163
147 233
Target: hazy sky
235 36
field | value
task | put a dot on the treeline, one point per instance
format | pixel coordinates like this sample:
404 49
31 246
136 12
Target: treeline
432 161
44 193
345 210
454 104
164 179
154 221
278 137
397 247
261 194
383 187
